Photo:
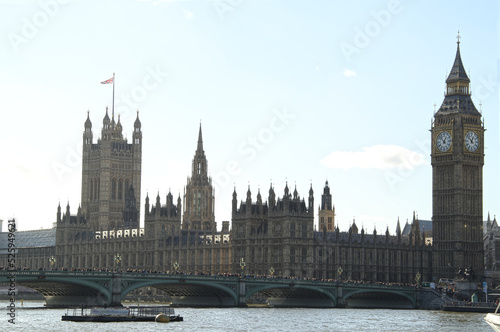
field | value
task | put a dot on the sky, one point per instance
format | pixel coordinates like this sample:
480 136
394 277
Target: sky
297 92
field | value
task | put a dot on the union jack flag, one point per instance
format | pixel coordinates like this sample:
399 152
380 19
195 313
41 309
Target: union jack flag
108 81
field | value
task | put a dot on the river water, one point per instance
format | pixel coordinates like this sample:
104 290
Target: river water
32 317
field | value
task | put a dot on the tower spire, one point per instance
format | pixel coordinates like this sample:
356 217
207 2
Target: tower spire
200 141
457 97
457 72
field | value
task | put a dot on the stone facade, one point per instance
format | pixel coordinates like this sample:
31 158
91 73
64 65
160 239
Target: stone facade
492 249
111 175
457 156
274 236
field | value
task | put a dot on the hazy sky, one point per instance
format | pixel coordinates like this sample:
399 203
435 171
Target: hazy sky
297 91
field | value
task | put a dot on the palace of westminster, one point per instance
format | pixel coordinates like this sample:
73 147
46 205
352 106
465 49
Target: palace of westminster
274 236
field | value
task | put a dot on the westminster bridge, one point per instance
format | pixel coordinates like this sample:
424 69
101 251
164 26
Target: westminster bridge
89 288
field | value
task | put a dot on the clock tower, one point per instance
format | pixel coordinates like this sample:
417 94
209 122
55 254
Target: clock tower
457 158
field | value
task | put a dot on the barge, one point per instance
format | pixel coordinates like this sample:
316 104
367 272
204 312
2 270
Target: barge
122 314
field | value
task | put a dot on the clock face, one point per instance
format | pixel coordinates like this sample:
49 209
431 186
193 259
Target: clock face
443 141
471 141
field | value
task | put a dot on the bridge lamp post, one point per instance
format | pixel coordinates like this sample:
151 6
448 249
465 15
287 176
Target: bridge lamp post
271 270
176 266
340 270
417 278
242 265
118 259
52 261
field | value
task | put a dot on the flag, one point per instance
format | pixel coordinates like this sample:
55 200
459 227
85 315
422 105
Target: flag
108 81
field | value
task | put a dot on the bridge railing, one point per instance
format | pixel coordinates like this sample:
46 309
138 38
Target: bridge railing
177 276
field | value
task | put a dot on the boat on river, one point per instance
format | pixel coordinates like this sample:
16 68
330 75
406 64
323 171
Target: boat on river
493 319
122 314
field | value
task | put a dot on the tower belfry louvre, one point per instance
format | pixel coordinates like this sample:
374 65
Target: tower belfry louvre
457 159
111 175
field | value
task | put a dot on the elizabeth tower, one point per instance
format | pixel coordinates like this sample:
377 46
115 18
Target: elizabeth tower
457 156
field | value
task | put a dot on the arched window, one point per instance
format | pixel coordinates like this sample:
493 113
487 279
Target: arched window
120 189
113 189
95 188
91 189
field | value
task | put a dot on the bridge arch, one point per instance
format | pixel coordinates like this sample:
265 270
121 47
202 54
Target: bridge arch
60 291
295 295
378 297
190 292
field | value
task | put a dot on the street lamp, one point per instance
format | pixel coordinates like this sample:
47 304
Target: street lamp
118 259
242 265
340 270
176 266
417 278
271 270
52 261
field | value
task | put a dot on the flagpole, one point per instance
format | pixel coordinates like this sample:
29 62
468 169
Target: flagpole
113 107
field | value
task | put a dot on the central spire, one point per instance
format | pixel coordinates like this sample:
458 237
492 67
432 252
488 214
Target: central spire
200 161
200 142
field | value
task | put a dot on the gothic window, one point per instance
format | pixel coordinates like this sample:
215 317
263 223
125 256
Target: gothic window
292 230
330 223
292 255
304 230
127 185
198 203
113 189
120 189
91 189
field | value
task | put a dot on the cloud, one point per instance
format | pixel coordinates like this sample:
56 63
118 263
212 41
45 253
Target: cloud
188 14
376 157
349 73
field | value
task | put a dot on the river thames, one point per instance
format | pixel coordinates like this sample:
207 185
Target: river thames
31 317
